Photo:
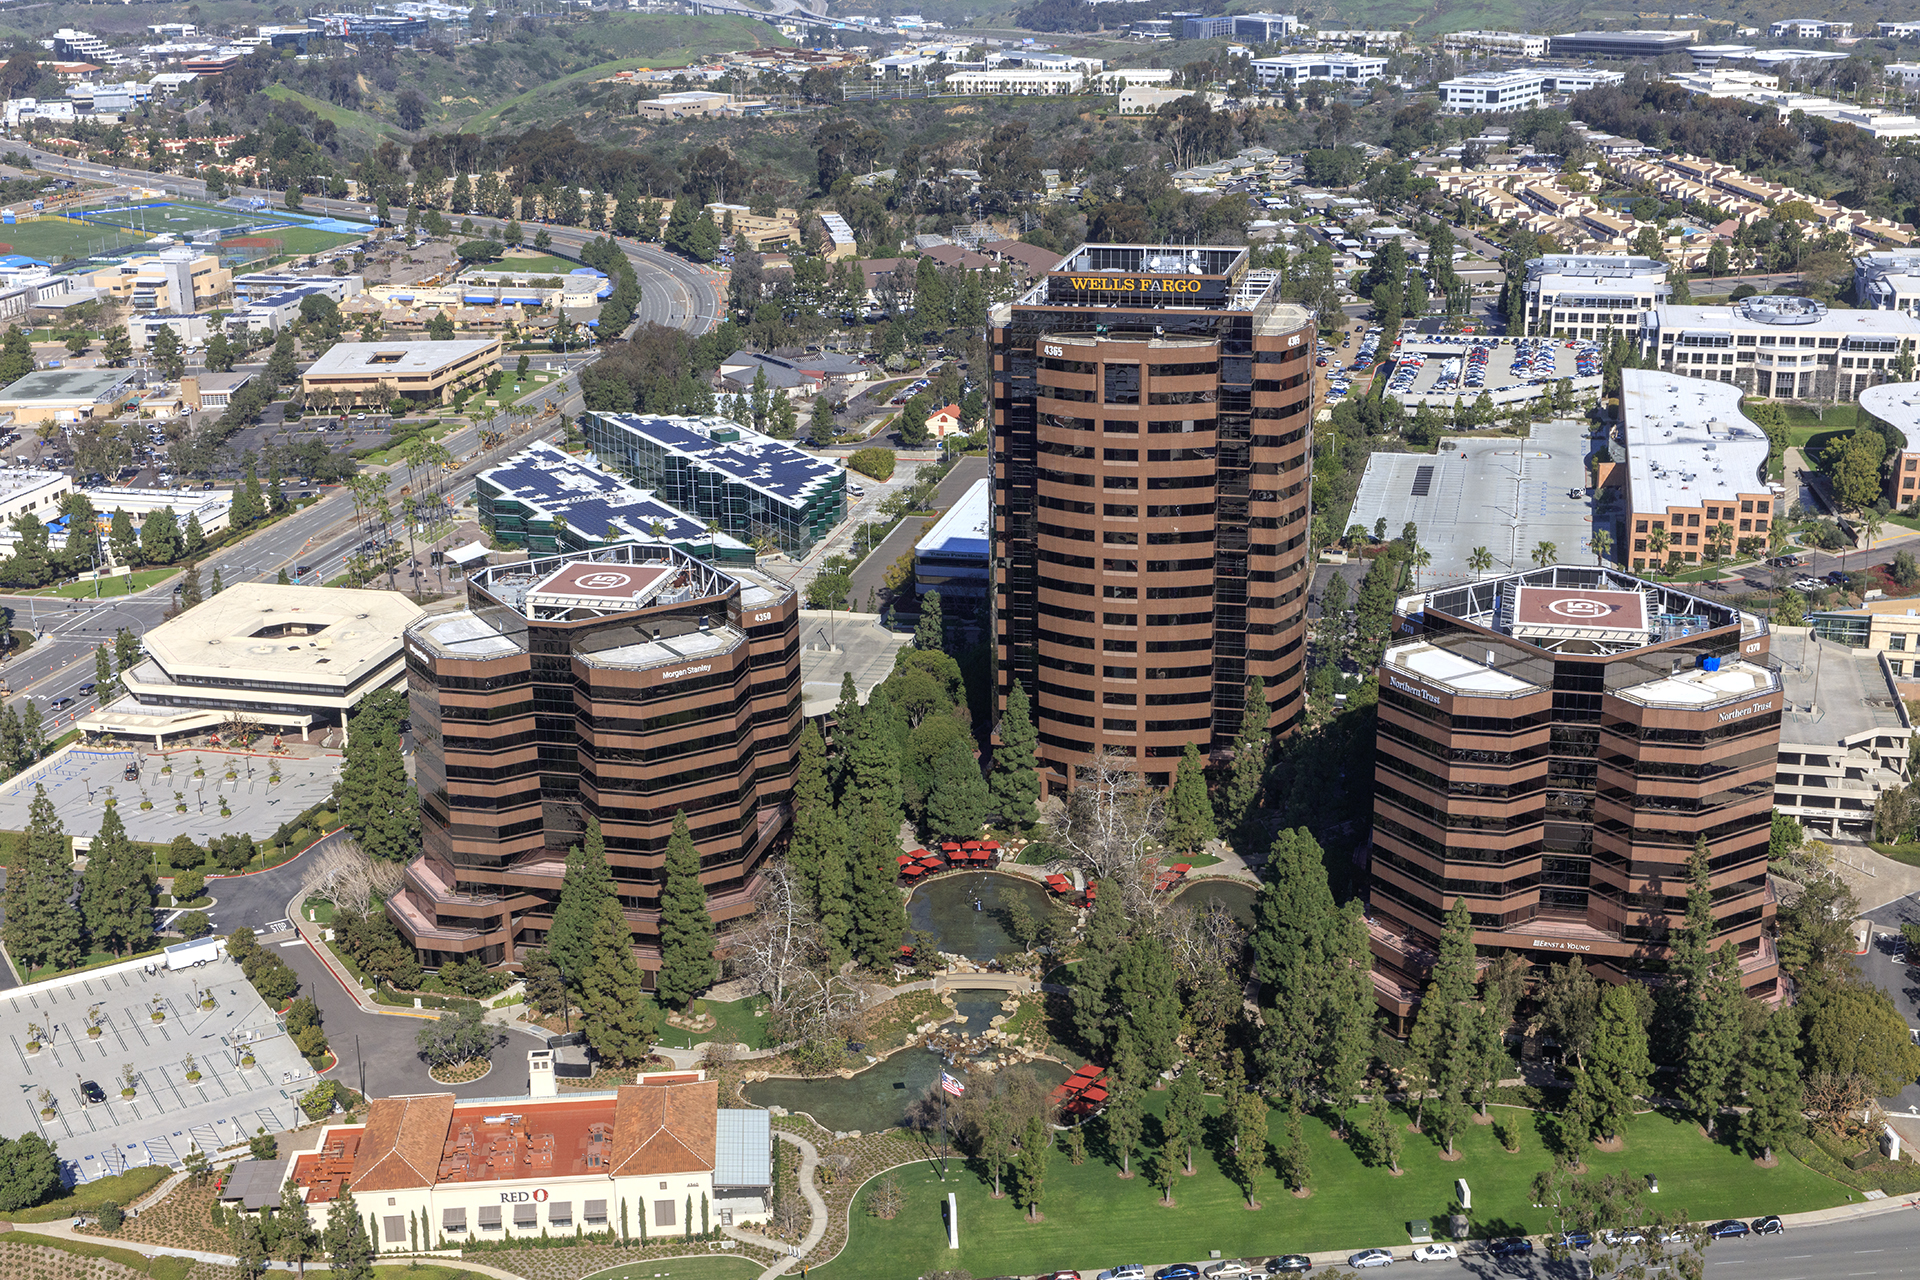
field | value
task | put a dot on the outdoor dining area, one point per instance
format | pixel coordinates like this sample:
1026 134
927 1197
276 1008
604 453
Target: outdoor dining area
965 855
1062 888
1170 877
1084 1093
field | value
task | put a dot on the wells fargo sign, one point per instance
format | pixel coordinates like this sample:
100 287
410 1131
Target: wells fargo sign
1183 286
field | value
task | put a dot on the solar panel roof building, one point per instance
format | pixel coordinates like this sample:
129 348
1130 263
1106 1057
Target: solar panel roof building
548 501
751 485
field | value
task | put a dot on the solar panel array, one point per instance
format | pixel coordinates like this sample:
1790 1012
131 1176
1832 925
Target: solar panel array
774 467
589 501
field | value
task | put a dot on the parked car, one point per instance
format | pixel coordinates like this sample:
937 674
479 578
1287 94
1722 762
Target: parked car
1178 1271
1061 1275
1371 1258
1729 1229
1435 1253
90 1093
1125 1271
1581 1240
1227 1270
1625 1235
1514 1247
1768 1226
1289 1264
1808 584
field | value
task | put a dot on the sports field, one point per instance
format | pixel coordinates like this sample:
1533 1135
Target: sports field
174 217
56 240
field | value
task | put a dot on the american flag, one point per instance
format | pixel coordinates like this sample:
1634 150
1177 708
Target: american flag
951 1085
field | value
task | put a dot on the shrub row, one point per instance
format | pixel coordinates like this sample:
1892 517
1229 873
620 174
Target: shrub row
872 461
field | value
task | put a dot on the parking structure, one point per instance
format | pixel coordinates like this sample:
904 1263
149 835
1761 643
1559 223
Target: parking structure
168 1114
1440 368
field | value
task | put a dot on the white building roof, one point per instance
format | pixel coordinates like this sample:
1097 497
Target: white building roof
393 358
963 529
1687 441
310 636
1782 315
1898 405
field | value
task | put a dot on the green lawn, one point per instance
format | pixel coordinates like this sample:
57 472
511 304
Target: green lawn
55 239
295 241
96 960
122 1188
737 1025
1094 1219
708 1268
541 265
107 587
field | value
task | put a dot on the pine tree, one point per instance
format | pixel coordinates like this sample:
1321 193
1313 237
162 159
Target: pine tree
873 764
814 825
194 539
687 966
116 892
1296 1159
1443 1004
190 587
1106 934
1349 1011
931 632
620 1021
957 804
1383 1135
1250 752
1290 959
103 674
1144 991
32 738
1015 784
122 540
847 714
378 803
1621 1066
1770 1077
13 745
1124 1121
879 915
1708 1070
349 1251
833 893
582 887
1248 1116
41 930
1186 1113
1190 813
297 1240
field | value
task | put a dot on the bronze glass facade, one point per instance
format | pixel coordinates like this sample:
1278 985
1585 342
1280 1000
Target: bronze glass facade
628 683
1152 434
1550 747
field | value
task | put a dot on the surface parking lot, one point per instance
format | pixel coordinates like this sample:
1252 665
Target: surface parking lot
80 782
168 1114
1439 368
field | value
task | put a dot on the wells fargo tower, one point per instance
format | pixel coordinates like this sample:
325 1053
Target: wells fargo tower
1152 430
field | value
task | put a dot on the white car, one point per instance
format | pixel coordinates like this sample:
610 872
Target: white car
1227 1270
1125 1271
1435 1253
1808 584
1629 1235
1371 1258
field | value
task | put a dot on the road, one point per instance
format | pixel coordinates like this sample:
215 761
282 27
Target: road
673 291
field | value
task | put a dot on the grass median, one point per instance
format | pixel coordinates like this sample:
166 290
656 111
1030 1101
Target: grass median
1094 1219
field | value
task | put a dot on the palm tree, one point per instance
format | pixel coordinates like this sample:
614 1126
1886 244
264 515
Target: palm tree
1545 555
1873 522
1420 559
1723 538
1602 545
1657 543
1480 560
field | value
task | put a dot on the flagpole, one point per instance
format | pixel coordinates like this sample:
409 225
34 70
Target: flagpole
943 1117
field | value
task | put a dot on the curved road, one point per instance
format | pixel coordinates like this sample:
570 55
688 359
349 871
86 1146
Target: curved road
673 291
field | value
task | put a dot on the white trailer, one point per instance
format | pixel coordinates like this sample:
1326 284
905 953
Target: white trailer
191 955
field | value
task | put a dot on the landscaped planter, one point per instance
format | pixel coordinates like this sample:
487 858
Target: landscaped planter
207 1005
93 1033
193 1077
246 1060
33 1046
158 1016
126 1093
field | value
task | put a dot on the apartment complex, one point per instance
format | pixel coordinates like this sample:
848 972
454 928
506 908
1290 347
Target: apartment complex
631 684
1152 425
1810 29
1694 471
1577 295
1620 44
1781 346
1551 744
752 486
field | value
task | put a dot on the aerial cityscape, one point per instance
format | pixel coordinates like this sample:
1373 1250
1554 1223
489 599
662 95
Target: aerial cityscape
724 639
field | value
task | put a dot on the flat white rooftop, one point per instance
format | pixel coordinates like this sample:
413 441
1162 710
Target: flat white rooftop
962 531
1687 441
1444 667
1897 404
1698 687
392 358
1782 317
270 633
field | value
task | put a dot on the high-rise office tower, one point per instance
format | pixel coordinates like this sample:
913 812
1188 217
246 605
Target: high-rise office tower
628 684
1152 434
1551 746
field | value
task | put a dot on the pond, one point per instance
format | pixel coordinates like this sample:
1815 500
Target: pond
967 911
877 1098
1235 895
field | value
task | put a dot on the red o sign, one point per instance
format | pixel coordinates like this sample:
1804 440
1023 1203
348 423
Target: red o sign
540 1193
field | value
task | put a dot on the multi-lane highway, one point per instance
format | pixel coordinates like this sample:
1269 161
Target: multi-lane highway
672 291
